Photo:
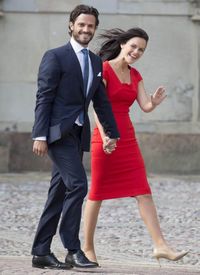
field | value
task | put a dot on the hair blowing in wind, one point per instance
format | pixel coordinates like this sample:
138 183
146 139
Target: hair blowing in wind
113 39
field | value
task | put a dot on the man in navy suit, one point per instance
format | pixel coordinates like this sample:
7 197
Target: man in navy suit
69 78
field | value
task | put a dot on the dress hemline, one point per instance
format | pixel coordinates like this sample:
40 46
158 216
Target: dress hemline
144 192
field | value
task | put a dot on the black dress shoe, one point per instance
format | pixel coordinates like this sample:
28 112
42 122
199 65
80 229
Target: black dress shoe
49 261
79 259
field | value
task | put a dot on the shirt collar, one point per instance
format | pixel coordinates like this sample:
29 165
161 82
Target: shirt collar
76 46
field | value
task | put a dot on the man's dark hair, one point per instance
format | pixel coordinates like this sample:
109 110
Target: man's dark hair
83 9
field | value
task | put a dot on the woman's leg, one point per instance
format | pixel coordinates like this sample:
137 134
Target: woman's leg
91 212
150 218
149 215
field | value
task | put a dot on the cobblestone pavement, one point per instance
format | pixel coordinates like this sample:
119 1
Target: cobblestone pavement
122 241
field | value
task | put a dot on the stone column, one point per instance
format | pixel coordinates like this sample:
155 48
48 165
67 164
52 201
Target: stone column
1 9
196 19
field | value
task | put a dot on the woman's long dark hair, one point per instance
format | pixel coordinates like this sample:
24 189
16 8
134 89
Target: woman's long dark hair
111 47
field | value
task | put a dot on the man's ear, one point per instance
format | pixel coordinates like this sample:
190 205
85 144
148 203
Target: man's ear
71 26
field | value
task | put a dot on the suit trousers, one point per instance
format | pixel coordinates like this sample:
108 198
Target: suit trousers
68 187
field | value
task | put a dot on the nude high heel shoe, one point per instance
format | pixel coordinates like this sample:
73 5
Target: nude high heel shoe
168 254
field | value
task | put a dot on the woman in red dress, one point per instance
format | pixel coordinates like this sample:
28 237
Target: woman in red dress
120 172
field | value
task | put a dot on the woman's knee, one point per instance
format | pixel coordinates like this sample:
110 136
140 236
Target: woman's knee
144 198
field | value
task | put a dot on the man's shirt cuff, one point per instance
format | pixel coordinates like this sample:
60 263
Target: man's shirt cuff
40 138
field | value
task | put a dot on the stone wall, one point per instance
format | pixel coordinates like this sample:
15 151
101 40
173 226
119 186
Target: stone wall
169 136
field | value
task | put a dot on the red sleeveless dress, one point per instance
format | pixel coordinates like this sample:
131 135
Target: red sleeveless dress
122 173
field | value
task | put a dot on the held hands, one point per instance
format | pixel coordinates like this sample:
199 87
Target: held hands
109 145
40 147
158 96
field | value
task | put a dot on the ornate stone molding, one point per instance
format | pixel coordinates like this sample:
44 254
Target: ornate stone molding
135 7
196 15
1 10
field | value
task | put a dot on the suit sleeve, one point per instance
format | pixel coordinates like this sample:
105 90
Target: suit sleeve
104 112
48 80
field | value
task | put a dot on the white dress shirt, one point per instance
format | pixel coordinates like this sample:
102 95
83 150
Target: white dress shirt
77 49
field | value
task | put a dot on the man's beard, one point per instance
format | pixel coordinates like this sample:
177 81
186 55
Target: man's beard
82 41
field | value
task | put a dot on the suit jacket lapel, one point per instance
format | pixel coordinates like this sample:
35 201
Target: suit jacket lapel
95 69
74 63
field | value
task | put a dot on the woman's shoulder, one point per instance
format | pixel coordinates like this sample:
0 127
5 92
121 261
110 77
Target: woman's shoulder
106 68
136 74
105 64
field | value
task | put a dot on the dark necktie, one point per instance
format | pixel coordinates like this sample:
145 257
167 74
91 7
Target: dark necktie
85 78
85 69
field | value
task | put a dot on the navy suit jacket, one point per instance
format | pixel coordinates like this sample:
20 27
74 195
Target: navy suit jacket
60 97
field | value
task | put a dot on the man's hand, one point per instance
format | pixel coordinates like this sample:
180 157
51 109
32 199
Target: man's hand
40 147
109 145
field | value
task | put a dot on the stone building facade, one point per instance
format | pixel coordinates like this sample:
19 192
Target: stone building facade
169 137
